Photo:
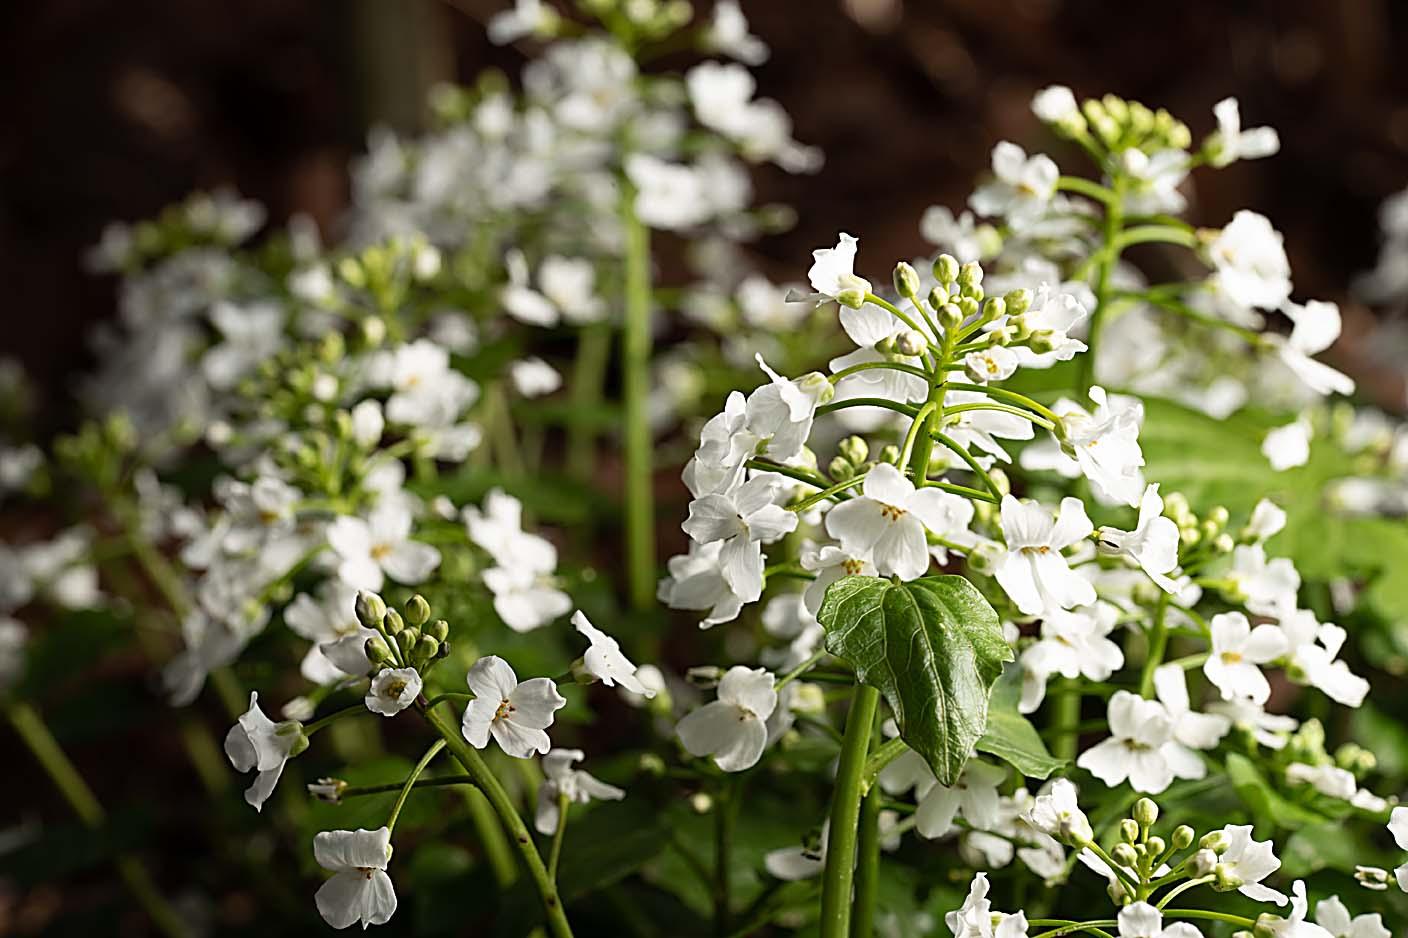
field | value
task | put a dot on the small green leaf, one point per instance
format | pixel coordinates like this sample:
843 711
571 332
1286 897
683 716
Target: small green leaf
933 647
1011 736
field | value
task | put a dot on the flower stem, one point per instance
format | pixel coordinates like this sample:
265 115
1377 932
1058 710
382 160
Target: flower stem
66 778
333 717
1067 715
555 852
845 814
588 378
503 806
867 866
440 781
1109 255
410 782
635 363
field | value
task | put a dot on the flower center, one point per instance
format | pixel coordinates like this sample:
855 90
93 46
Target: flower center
1231 657
395 688
891 512
366 871
505 708
851 566
380 552
1042 549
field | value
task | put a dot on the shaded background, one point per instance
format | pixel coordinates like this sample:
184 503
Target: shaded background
115 108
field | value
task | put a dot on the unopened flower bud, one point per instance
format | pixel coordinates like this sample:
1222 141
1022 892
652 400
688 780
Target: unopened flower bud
426 648
854 297
946 269
1223 543
651 764
1018 301
1372 877
818 386
840 469
906 280
1156 845
890 453
911 342
407 639
1202 862
376 650
704 675
370 608
1218 515
1129 830
1146 812
327 789
440 629
1124 854
1216 841
1042 341
373 330
970 274
938 297
950 317
1182 837
393 622
994 308
984 558
417 610
855 450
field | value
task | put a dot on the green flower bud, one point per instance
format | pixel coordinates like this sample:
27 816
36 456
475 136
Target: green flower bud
1042 341
1216 841
994 308
444 650
440 629
950 317
854 297
376 650
938 297
406 639
1018 301
1223 543
946 269
701 803
999 479
1124 854
854 450
1156 846
393 621
1129 830
1218 516
370 608
651 764
1182 837
840 469
426 648
417 610
1146 812
906 280
971 274
890 454
911 342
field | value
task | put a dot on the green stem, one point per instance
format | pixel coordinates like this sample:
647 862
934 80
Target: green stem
867 866
440 781
66 778
881 402
1231 919
826 493
1158 644
332 718
1086 188
503 806
588 379
1011 397
1109 255
726 804
899 314
555 851
635 364
973 464
410 782
1161 234
1066 714
884 754
845 813
491 835
886 365
1184 887
799 670
1003 408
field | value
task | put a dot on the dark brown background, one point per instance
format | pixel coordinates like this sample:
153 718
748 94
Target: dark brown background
114 108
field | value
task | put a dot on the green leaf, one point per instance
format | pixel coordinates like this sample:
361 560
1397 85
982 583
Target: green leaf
1267 804
1011 736
933 647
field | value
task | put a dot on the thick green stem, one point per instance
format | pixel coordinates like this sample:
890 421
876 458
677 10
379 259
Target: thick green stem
588 379
491 836
502 804
867 866
838 874
66 778
1158 644
635 364
728 799
1109 256
1066 714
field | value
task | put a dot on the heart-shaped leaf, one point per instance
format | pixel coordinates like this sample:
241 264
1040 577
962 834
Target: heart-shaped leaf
933 647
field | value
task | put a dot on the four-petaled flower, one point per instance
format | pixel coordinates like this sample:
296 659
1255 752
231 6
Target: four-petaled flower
516 715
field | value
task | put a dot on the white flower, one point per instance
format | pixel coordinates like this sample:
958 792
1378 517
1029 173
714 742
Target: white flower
1142 920
527 18
1269 729
251 334
497 527
1316 326
1055 104
368 422
1154 181
1398 827
1190 728
533 377
1152 545
974 796
830 563
832 272
1267 588
360 890
1267 520
722 96
525 598
976 919
1251 269
1022 189
727 32
330 622
668 195
1246 862
888 521
1105 445
1232 143
1073 644
1057 814
393 690
1313 649
370 550
780 413
1289 446
732 728
1033 572
1331 915
792 864
257 743
1141 748
743 518
979 430
516 715
426 391
604 661
1237 650
996 363
561 779
1295 926
696 581
1054 311
957 235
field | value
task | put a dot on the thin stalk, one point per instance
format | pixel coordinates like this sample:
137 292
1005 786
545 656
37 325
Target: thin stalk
635 364
1109 255
1003 408
884 754
881 402
1228 917
899 314
555 851
799 670
410 782
838 874
1184 887
440 781
973 464
503 806
69 781
727 801
1011 397
867 866
1158 644
886 365
831 492
333 717
588 379
491 835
